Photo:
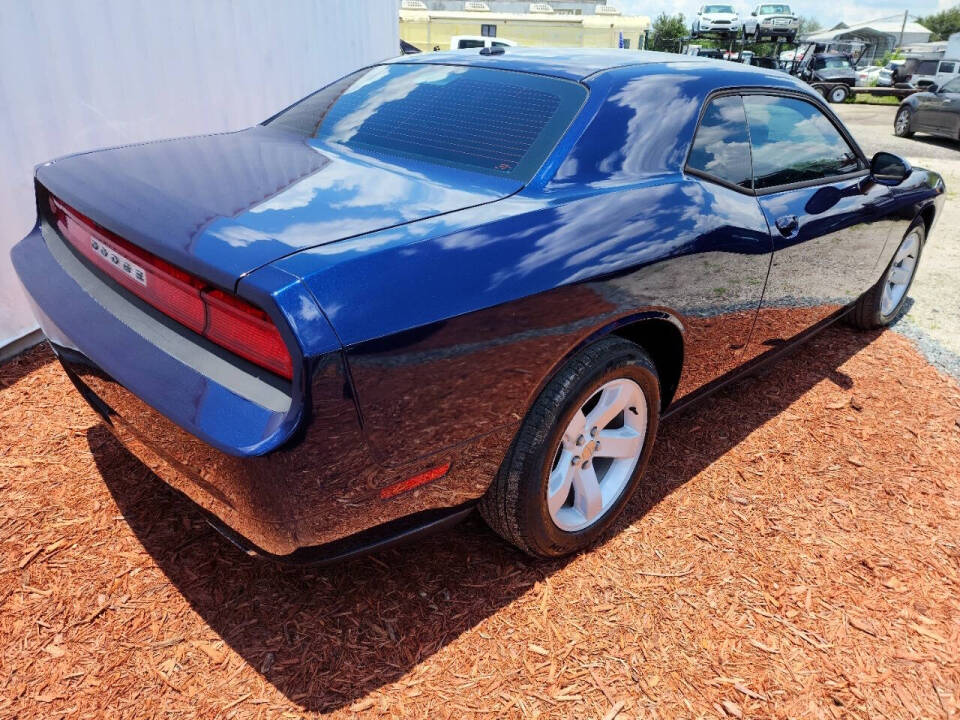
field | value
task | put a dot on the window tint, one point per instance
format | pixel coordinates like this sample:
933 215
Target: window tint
722 147
793 142
491 121
952 87
947 67
464 44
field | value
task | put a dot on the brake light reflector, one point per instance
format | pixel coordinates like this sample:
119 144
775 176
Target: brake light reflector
223 318
413 482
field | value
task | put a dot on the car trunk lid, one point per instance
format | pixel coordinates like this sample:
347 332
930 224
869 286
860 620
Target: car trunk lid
221 206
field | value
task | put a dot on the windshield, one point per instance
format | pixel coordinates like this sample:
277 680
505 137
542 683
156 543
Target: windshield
774 9
718 9
836 62
490 121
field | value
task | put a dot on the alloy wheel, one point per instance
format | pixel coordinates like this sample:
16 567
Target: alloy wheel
902 122
597 455
900 274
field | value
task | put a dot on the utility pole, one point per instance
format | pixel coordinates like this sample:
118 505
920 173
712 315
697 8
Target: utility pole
902 28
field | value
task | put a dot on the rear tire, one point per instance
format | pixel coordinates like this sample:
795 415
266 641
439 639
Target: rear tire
539 501
838 94
882 303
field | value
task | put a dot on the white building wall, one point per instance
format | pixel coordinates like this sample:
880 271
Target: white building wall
83 74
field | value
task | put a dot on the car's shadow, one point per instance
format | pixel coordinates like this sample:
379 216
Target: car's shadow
937 141
325 637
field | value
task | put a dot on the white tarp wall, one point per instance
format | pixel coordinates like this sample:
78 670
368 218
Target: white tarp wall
82 74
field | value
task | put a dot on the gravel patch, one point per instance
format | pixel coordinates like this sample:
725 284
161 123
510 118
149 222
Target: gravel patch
933 321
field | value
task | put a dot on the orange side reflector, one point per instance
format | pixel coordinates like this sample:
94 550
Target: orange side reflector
416 481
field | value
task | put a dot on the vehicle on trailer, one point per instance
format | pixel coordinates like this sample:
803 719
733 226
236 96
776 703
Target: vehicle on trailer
891 74
769 63
710 53
867 76
829 72
716 20
916 72
378 310
935 110
771 20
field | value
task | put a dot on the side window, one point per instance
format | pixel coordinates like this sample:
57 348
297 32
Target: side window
952 87
721 147
792 142
947 67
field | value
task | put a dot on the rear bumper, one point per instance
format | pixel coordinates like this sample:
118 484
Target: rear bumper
280 490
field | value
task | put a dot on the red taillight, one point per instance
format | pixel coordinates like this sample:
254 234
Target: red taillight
225 319
247 331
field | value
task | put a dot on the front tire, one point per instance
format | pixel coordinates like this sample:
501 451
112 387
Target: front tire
757 37
882 303
580 452
901 123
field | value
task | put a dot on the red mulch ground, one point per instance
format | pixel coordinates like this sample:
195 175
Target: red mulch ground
796 553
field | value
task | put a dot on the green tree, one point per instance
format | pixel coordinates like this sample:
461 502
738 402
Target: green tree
808 25
942 24
667 31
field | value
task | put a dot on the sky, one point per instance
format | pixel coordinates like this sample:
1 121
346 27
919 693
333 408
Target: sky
828 12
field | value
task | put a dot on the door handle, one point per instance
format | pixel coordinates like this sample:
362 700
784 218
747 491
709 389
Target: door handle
788 225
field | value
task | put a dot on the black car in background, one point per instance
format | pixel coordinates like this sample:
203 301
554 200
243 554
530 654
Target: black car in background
935 111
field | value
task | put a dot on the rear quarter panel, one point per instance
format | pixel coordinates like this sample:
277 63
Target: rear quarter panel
452 325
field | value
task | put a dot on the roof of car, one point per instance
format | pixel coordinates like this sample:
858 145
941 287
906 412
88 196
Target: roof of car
580 63
569 63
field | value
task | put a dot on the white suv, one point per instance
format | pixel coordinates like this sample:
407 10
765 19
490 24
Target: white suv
771 20
715 20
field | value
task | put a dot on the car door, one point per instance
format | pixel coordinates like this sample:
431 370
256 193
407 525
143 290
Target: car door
823 213
943 109
722 285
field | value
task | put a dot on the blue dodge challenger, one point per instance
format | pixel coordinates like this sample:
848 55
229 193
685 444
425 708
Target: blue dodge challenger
459 280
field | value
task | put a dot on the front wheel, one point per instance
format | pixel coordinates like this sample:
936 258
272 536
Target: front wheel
757 37
901 124
882 303
579 453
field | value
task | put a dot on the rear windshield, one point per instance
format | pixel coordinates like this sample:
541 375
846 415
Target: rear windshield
490 121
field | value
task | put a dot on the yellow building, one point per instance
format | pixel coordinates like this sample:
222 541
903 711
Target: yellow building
429 29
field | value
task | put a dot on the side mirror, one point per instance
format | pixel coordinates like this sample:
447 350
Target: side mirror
889 169
754 13
932 87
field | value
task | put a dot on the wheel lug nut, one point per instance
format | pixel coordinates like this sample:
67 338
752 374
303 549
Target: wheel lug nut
586 465
593 432
580 440
575 460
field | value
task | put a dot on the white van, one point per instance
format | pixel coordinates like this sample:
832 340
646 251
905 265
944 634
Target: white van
463 42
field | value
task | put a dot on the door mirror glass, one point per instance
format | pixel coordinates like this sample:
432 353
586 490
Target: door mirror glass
889 169
932 87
